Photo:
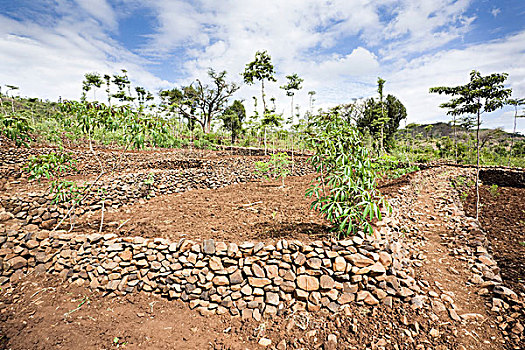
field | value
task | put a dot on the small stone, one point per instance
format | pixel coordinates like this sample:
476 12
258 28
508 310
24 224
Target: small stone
236 277
339 264
272 298
116 247
220 281
17 262
314 263
258 282
208 246
360 260
216 263
258 271
434 332
385 259
265 342
377 269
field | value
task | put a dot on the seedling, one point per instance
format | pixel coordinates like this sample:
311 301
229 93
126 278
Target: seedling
276 167
494 190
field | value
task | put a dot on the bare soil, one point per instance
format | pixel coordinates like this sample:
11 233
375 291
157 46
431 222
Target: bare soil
503 217
259 211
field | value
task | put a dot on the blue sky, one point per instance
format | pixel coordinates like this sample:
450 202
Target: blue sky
339 47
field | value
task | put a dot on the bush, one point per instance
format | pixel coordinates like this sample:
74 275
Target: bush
345 188
276 167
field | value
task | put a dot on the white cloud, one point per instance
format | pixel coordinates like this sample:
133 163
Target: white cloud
338 46
495 12
51 62
452 67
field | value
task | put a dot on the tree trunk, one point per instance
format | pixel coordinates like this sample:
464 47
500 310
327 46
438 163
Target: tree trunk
477 167
265 140
513 133
291 111
263 101
455 141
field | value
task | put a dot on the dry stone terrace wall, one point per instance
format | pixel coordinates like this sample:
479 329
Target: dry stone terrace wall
36 208
250 280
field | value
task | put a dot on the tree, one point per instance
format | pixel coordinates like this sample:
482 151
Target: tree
212 100
515 102
91 80
11 88
312 100
483 94
294 83
344 189
233 118
261 68
123 85
183 101
381 119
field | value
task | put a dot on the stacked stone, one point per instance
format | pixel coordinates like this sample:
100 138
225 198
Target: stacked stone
36 207
250 280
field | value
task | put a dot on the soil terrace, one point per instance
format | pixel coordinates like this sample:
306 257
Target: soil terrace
44 312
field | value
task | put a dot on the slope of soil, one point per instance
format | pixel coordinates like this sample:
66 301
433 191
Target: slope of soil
503 217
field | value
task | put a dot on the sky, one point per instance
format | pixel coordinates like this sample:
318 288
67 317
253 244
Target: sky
339 47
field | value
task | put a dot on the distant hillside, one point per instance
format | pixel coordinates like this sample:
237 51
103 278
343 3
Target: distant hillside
440 129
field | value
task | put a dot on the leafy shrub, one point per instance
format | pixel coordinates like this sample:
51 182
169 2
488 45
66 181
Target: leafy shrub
345 186
203 144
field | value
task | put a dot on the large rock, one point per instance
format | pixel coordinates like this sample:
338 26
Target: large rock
339 264
307 283
360 260
17 262
327 282
236 277
258 282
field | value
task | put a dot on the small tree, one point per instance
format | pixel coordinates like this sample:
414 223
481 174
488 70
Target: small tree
91 80
482 94
212 100
345 187
261 68
233 118
311 94
294 83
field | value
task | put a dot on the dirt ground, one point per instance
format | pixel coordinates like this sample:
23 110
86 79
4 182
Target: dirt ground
43 313
503 217
260 211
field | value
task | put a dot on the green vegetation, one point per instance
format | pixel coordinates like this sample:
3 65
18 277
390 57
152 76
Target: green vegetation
276 167
344 190
353 144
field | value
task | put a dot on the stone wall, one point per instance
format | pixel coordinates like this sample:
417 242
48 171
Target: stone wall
35 207
250 279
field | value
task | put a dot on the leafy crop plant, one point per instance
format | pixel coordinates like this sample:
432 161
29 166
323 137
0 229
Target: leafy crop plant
345 188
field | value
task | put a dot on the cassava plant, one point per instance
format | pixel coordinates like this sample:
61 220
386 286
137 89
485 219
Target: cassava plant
344 189
53 166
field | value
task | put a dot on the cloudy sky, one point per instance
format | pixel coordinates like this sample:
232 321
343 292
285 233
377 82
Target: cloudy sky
339 47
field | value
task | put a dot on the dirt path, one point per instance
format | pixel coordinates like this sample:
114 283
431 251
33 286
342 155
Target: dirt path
436 217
